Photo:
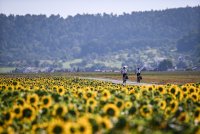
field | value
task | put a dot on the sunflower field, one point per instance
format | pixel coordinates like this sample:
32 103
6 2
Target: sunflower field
47 105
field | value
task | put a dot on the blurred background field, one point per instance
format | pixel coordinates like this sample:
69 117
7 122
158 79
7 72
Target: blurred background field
154 77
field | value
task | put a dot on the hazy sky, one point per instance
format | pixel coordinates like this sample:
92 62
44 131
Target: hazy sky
72 7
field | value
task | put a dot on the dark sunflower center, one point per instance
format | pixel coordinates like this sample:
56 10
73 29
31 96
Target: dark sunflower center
182 118
59 111
80 94
150 89
91 102
60 90
194 96
196 114
27 113
185 95
72 130
146 110
44 111
173 90
111 112
105 94
132 110
14 83
168 112
89 95
45 101
119 104
32 100
191 90
17 111
57 130
82 129
20 102
160 89
184 89
172 105
7 116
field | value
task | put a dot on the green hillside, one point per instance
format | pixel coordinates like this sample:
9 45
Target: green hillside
100 40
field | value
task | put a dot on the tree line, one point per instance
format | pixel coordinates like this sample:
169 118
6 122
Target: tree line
38 37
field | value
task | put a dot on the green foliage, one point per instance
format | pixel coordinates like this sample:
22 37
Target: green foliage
26 40
165 65
189 42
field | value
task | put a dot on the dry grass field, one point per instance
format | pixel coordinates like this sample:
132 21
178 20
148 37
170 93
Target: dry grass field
178 77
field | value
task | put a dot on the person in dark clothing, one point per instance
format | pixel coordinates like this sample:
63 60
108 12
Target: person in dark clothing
124 74
138 73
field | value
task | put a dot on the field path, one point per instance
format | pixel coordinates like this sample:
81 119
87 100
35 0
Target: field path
116 81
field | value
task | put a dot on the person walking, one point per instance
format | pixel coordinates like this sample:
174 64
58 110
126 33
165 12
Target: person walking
124 74
138 73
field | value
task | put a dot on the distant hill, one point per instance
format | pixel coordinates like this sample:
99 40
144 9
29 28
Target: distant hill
100 40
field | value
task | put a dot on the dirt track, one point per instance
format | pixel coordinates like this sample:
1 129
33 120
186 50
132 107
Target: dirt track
116 81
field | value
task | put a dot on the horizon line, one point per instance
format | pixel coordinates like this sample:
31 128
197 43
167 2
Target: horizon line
101 13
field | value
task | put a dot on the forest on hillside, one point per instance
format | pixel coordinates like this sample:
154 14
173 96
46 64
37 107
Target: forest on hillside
101 40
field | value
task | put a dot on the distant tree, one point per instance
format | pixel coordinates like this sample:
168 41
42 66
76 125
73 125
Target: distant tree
181 65
165 65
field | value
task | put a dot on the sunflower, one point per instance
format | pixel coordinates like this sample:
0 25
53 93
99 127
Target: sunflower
19 87
173 90
54 88
73 111
4 87
184 89
104 123
89 94
197 116
46 101
10 87
39 128
194 96
28 113
173 105
15 83
111 110
150 88
146 111
183 117
84 126
59 110
57 127
71 128
132 91
161 89
8 117
162 104
91 103
8 130
33 99
61 90
119 103
17 110
105 95
180 95
128 105
167 112
191 89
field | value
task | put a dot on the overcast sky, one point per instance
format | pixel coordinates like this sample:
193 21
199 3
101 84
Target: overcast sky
72 7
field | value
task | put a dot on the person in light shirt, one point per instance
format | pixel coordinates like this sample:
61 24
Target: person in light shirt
124 71
138 73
